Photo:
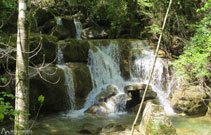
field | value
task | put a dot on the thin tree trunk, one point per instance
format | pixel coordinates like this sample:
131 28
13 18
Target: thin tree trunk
22 69
152 70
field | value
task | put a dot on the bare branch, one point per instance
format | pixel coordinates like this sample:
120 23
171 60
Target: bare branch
39 47
46 79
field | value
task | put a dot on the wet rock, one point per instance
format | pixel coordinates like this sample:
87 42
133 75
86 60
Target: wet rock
89 128
189 100
113 128
108 92
155 121
108 101
98 109
94 33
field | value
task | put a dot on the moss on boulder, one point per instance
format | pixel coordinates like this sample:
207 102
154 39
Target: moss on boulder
55 93
75 50
155 121
82 82
189 100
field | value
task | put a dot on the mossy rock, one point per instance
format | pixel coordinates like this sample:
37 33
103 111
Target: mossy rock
189 100
75 50
51 84
155 121
82 82
66 29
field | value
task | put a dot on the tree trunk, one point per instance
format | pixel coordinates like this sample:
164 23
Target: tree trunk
22 69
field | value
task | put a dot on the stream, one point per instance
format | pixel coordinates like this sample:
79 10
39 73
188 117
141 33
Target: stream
58 124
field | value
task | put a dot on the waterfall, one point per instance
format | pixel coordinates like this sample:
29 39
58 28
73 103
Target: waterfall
103 64
69 85
67 72
60 56
68 79
140 68
78 28
58 20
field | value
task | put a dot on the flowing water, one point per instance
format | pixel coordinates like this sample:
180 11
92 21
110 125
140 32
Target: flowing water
69 85
140 68
103 64
58 125
68 80
78 27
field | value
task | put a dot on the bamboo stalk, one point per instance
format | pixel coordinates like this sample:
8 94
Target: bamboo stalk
152 70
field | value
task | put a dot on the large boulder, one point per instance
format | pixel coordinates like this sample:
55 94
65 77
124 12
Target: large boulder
82 82
106 93
49 82
98 109
189 100
65 27
155 121
107 101
75 50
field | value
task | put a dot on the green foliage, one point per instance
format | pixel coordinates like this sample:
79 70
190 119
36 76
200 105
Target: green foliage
6 7
41 99
6 109
195 63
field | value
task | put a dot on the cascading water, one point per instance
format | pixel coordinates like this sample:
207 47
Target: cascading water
140 68
103 64
69 85
68 74
78 29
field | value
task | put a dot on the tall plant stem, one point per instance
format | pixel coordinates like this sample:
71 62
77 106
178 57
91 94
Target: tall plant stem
152 70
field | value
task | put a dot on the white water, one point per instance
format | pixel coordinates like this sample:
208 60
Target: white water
60 60
78 28
68 74
58 20
105 70
161 78
68 79
69 85
103 64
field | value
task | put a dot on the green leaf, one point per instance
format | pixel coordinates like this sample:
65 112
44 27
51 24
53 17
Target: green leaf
1 116
2 108
41 98
4 80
